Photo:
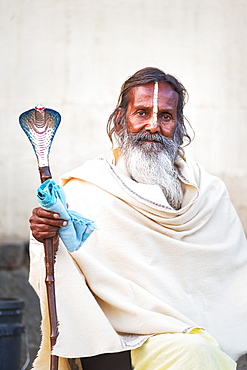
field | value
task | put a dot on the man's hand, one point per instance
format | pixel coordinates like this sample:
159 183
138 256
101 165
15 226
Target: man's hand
45 224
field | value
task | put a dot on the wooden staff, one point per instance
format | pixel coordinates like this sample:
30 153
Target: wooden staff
40 125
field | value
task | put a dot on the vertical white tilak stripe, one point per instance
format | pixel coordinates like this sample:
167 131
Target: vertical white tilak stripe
155 102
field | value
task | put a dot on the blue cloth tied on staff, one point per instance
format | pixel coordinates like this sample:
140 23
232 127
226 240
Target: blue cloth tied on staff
51 197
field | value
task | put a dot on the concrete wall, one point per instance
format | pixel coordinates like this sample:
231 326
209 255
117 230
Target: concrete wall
73 56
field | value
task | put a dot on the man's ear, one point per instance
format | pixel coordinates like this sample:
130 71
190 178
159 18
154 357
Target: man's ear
118 120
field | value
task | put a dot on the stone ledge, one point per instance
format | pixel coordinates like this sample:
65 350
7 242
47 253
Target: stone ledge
12 255
242 363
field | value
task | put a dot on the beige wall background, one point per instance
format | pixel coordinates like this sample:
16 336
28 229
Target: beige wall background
73 56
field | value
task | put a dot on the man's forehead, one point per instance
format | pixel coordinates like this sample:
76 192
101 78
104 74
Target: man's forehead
164 92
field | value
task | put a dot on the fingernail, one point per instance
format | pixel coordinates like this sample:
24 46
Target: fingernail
65 223
56 215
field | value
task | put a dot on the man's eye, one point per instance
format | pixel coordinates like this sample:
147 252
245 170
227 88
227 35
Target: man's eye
141 112
166 116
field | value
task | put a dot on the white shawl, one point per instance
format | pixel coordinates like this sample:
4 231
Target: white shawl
147 268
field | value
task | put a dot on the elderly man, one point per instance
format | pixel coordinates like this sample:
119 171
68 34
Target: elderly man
162 277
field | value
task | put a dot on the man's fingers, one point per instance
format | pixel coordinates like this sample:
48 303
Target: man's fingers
40 212
44 222
42 217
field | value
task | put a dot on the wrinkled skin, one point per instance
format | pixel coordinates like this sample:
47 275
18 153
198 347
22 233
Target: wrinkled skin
140 116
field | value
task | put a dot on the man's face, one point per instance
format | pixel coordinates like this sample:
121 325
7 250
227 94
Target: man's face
152 108
147 142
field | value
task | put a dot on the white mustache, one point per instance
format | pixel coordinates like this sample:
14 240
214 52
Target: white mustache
146 136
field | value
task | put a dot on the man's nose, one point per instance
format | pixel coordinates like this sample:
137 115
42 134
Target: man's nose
152 124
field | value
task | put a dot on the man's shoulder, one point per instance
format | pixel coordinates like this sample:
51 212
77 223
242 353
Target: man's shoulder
90 169
202 176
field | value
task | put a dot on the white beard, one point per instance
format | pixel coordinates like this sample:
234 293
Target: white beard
153 163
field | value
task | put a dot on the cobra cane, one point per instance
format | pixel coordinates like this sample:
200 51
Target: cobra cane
40 125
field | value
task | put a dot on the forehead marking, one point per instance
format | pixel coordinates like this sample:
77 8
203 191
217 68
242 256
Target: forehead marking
155 101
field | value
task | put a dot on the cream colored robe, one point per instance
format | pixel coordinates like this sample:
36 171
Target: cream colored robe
147 268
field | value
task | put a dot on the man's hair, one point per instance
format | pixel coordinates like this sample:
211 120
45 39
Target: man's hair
143 77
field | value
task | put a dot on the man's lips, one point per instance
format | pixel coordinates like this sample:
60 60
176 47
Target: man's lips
149 141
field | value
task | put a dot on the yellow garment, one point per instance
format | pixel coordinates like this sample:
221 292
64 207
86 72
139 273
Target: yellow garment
147 269
195 350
